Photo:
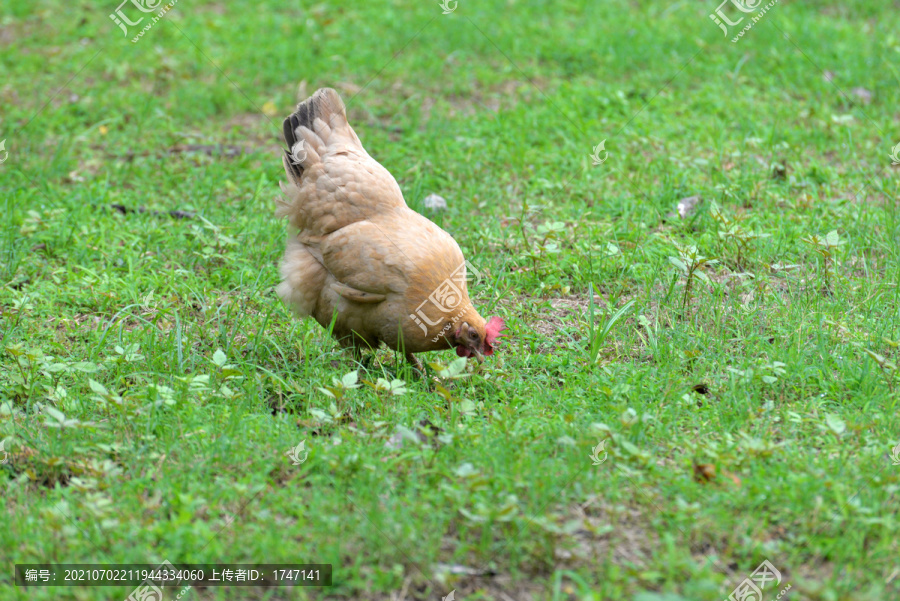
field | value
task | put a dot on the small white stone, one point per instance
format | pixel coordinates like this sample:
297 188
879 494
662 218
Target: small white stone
687 206
434 202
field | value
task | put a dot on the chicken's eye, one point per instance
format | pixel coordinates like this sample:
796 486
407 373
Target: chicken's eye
473 335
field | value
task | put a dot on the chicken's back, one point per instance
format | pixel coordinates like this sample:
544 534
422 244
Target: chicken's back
333 181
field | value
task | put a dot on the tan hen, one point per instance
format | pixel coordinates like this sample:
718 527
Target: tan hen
361 259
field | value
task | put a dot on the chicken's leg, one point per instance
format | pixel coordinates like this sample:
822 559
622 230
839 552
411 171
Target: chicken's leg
364 361
416 364
420 369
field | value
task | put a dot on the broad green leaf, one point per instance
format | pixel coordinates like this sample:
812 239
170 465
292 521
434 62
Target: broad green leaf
456 367
600 428
54 413
319 414
407 434
98 387
467 407
832 238
679 264
881 360
350 380
835 423
15 350
628 447
443 392
465 470
86 366
509 509
478 519
219 358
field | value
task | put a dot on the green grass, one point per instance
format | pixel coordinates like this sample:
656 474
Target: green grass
744 419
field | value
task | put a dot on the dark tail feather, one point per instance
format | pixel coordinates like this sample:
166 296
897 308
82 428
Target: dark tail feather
324 104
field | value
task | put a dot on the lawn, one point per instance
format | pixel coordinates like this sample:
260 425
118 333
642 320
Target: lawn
694 241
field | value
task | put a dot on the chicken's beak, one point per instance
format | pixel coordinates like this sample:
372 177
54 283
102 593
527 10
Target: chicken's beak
479 357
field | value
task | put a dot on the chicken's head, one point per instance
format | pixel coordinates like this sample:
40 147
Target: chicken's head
478 340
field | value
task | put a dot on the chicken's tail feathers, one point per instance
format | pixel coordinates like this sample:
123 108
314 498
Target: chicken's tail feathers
319 124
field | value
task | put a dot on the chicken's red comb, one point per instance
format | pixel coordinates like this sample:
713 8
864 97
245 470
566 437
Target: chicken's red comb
492 331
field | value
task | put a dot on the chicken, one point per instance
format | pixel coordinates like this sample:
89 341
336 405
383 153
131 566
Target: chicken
362 263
